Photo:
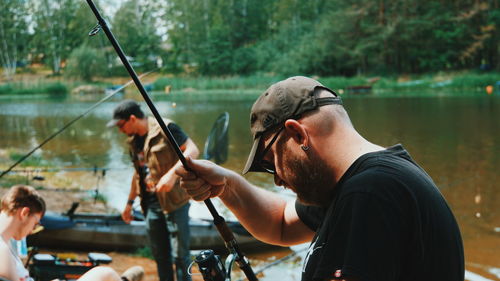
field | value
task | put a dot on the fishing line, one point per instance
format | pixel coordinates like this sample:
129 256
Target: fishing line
69 124
76 169
279 261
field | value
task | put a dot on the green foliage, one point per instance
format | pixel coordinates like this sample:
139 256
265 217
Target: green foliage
79 25
56 89
116 70
9 180
144 252
281 37
85 63
212 37
14 35
5 89
333 37
341 82
461 81
475 80
211 83
31 161
458 81
134 27
244 61
52 88
52 24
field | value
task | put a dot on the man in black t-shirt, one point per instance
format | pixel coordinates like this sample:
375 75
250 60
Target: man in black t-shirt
388 221
155 182
371 213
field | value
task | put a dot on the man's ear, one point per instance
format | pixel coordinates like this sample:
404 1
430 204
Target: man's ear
24 212
297 131
132 118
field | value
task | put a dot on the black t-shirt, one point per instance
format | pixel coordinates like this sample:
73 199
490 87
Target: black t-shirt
388 221
180 137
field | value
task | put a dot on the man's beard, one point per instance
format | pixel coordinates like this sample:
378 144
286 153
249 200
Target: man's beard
311 179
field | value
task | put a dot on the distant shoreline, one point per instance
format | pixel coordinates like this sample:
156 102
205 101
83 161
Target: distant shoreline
165 85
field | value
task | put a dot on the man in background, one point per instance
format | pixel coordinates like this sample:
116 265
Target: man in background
154 181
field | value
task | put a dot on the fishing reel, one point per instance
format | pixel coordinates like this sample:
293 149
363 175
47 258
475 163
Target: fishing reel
211 266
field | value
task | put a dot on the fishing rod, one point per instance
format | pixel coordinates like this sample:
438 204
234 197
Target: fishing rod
68 124
219 221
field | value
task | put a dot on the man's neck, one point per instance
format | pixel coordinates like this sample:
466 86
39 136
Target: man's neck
346 150
143 127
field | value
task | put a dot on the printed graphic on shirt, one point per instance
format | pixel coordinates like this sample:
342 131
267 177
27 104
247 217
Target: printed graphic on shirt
310 252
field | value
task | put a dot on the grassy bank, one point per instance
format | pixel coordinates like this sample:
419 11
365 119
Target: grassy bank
38 172
452 81
458 81
22 88
191 84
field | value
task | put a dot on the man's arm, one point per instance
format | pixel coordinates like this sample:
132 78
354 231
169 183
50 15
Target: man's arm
127 211
267 216
167 181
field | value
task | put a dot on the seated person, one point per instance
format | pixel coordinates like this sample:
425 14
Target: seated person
20 212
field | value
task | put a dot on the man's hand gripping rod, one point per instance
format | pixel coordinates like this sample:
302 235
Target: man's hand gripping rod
219 221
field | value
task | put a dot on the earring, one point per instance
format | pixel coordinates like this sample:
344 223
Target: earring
304 147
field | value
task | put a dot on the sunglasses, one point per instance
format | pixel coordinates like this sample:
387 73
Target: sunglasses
37 228
120 125
265 165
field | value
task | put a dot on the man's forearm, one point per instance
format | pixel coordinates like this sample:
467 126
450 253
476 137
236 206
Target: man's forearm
265 214
191 149
260 211
167 181
132 194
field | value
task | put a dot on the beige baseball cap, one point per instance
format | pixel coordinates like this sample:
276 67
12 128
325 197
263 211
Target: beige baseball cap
284 100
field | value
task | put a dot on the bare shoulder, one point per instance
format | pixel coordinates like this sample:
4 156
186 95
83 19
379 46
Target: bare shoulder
7 266
5 251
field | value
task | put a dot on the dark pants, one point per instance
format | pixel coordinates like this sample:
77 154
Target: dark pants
179 221
162 244
159 238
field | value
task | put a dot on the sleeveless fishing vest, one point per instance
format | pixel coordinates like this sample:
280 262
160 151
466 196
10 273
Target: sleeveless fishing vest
160 157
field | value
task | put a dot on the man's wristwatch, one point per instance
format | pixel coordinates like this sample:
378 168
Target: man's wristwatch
130 202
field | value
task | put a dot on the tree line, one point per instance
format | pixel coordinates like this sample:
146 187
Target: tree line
244 37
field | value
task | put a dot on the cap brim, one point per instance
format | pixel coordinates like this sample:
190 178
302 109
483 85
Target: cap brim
112 123
250 165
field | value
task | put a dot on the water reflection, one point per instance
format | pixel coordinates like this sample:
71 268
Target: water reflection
455 139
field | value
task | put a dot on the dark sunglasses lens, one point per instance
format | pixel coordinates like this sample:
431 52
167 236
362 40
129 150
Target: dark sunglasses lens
266 165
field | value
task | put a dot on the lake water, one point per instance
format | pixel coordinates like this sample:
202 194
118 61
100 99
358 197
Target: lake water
455 139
